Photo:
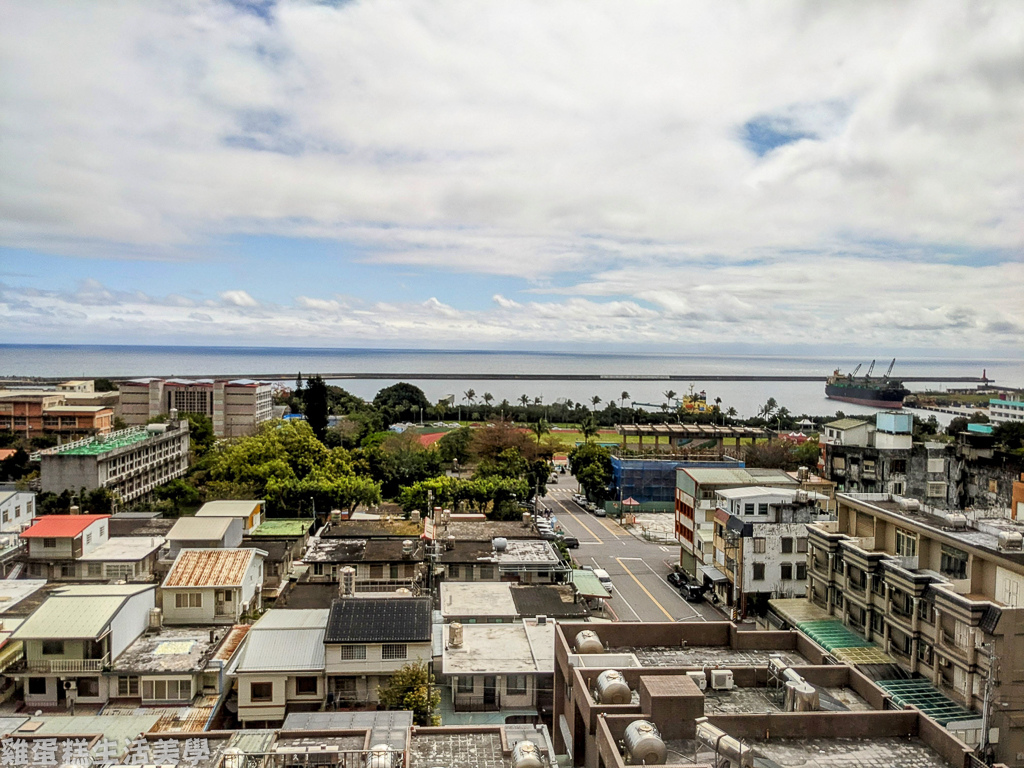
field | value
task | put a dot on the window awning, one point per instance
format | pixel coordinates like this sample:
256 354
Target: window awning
712 573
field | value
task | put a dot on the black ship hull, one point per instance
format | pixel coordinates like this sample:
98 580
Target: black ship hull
865 395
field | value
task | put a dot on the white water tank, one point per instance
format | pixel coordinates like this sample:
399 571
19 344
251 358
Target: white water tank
347 581
587 641
909 504
1011 541
415 516
381 756
526 519
156 619
455 634
722 679
500 544
408 548
643 744
957 521
738 755
612 688
699 678
526 755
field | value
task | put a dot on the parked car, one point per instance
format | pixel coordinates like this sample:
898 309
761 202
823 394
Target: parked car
676 579
605 579
692 593
571 542
599 511
548 535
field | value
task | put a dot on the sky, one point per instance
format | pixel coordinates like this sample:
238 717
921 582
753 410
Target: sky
559 174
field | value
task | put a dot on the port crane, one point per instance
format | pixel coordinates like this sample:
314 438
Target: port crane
871 369
890 368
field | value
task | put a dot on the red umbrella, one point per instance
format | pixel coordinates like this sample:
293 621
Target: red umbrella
630 502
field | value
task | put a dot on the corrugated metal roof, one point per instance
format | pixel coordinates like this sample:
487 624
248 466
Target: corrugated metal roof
228 508
60 526
209 568
282 650
193 528
70 617
232 641
306 618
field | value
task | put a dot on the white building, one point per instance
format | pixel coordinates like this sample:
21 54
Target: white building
17 510
251 513
368 639
235 407
212 586
281 664
72 637
57 542
205 533
1002 410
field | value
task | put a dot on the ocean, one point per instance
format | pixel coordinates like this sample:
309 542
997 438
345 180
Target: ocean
74 361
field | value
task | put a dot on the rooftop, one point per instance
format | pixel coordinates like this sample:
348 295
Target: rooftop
199 528
127 548
171 650
285 641
379 620
13 591
526 647
283 527
517 552
905 752
465 749
81 611
321 550
105 444
557 601
210 568
60 526
710 656
846 423
738 476
229 508
479 599
485 530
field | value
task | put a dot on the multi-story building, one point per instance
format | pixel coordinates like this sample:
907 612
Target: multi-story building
35 413
130 463
695 507
17 510
213 586
236 407
941 593
761 544
1005 409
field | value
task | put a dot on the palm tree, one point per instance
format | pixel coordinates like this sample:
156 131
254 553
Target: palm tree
731 412
469 396
588 427
488 397
538 400
670 395
623 397
540 428
718 405
524 400
595 401
441 408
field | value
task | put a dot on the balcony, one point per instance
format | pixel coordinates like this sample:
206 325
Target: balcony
61 666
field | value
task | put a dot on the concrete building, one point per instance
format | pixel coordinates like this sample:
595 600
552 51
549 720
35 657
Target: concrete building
64 412
129 463
250 512
213 586
760 545
57 542
695 505
236 407
505 602
71 638
1004 409
942 594
204 533
368 639
380 565
280 666
17 510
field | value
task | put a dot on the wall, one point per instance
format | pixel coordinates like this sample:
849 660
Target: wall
18 510
373 662
272 710
201 615
131 621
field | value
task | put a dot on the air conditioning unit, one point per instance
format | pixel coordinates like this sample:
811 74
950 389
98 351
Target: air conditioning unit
722 680
699 678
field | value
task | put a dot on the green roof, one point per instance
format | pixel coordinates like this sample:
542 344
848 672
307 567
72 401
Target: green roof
589 585
282 527
923 695
95 447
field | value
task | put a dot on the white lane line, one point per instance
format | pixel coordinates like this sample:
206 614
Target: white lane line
696 613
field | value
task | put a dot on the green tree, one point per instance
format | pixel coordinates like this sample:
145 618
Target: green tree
400 402
588 427
595 401
179 492
808 453
454 446
488 398
623 397
412 688
524 400
1009 434
592 466
772 454
200 433
314 397
540 428
104 385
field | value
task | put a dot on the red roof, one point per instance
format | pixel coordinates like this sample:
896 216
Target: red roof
61 526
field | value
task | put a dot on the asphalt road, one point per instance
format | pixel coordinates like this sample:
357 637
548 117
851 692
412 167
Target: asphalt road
638 568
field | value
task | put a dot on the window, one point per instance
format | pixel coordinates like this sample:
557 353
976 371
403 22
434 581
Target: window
261 691
453 571
353 652
898 466
392 651
318 569
49 543
486 572
759 545
88 686
953 562
394 571
95 570
758 571
801 544
906 543
188 600
926 611
762 508
173 689
787 545
786 571
68 571
801 571
898 489
466 684
53 647
748 508
88 538
5 516
128 686
376 571
515 685
37 686
936 490
307 685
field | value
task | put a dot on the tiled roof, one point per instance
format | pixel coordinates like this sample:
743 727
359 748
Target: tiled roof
61 526
379 620
209 568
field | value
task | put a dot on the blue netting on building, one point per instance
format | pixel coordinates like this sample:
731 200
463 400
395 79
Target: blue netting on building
654 480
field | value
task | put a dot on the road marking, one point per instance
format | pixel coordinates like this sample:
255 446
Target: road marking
646 591
572 514
696 614
612 531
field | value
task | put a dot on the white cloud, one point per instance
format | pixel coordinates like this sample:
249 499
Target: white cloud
238 299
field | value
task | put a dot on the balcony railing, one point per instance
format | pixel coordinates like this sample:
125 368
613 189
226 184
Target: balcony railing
59 666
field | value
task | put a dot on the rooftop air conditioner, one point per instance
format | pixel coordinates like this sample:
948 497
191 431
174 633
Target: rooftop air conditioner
722 680
699 678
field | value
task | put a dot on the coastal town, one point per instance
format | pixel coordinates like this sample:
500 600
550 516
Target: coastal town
204 572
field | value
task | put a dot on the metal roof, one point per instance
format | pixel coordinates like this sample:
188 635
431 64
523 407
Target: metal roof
73 615
285 641
60 526
283 527
588 584
846 423
229 508
199 528
125 549
210 567
379 620
739 476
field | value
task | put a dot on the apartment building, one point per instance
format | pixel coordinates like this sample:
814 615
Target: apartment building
34 413
1005 409
130 463
941 593
236 407
17 510
760 545
695 505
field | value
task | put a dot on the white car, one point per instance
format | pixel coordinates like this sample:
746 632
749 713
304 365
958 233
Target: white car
604 578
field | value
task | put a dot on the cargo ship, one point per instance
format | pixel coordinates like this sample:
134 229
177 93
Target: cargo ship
882 392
